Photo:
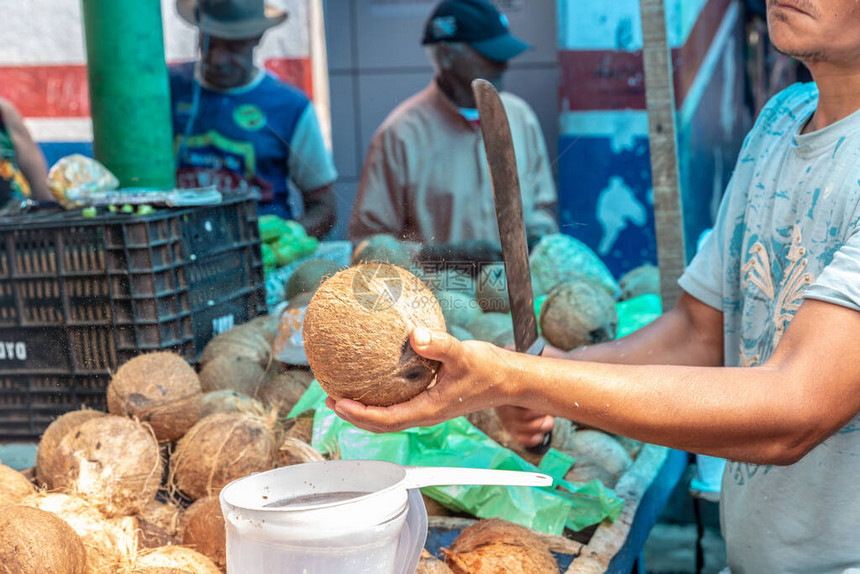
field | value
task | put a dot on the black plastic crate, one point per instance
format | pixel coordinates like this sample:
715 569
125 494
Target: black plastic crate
80 296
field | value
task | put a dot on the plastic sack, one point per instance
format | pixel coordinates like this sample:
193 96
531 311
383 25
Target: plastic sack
74 176
635 313
456 443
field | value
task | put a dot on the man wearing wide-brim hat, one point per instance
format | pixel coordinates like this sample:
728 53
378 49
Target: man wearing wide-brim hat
425 176
239 127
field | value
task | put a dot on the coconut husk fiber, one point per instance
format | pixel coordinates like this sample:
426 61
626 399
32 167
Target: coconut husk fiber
202 529
160 518
34 541
578 313
252 341
283 386
301 428
233 373
218 449
14 486
175 557
159 570
107 541
429 564
228 401
161 389
356 334
52 437
492 546
112 461
293 451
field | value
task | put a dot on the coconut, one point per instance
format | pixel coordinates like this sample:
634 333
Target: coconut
202 529
228 401
293 451
458 308
429 564
176 557
494 545
308 276
252 341
159 570
52 437
640 281
495 328
112 461
631 445
218 449
356 334
232 372
302 428
578 313
13 486
33 541
460 333
382 248
106 540
588 470
491 290
594 446
283 387
161 389
558 258
157 518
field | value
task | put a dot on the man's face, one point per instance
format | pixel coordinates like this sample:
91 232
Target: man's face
228 63
469 65
816 30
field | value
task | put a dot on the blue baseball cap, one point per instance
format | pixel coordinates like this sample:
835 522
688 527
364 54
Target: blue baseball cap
474 22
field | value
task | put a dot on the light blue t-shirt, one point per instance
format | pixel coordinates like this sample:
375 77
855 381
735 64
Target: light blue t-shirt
787 230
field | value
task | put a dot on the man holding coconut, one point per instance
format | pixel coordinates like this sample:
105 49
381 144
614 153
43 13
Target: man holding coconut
758 361
425 177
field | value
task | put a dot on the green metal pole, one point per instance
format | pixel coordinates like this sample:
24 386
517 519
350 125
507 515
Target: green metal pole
130 91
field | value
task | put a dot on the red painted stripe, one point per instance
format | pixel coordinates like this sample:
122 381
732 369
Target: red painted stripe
61 91
613 80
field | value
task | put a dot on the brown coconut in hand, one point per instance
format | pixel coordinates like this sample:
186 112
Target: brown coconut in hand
494 545
577 313
202 529
356 334
52 437
34 541
161 389
114 462
218 449
13 486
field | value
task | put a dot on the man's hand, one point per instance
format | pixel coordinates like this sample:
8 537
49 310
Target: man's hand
526 426
472 377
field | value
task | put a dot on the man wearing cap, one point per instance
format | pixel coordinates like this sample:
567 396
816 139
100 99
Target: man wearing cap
239 127
425 176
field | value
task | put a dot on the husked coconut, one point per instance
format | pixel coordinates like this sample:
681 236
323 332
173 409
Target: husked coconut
594 446
106 540
232 372
578 313
301 428
159 570
175 557
218 449
458 308
587 470
252 341
114 462
159 517
228 401
495 328
494 545
382 248
202 529
460 333
308 276
559 258
161 389
293 451
283 387
13 486
429 564
356 334
34 541
640 281
52 437
631 445
491 290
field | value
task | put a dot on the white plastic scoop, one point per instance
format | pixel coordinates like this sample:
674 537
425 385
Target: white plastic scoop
421 476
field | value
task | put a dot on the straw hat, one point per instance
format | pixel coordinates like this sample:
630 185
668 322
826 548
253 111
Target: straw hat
230 19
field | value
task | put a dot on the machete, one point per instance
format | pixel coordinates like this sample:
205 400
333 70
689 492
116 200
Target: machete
505 181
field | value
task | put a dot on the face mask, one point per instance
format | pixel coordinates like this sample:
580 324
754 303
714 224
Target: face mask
471 114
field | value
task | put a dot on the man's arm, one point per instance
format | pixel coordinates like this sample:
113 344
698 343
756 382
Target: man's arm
320 211
27 153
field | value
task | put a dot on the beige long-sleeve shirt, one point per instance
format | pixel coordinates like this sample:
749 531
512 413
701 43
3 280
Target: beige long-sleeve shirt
425 177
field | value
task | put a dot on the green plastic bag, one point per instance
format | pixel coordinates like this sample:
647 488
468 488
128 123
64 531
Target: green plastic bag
635 313
457 443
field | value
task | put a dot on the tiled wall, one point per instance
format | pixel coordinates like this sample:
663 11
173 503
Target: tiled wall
376 60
